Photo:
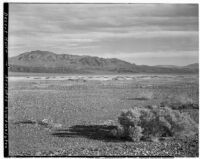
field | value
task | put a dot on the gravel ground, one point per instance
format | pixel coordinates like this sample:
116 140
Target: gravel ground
72 103
176 148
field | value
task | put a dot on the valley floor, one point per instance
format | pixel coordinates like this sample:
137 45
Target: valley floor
73 115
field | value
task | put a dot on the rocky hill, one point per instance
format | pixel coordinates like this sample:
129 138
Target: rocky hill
48 62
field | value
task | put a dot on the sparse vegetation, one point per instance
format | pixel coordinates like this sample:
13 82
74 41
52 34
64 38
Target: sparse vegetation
180 101
81 117
156 121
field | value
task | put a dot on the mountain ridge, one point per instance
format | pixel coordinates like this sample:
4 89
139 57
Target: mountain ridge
45 61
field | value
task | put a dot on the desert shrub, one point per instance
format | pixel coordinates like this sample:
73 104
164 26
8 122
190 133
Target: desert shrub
168 122
135 133
181 101
129 118
155 122
129 133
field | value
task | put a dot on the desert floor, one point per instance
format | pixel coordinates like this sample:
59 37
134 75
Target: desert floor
72 115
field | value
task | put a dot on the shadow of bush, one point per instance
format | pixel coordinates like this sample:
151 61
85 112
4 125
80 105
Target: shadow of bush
95 132
139 98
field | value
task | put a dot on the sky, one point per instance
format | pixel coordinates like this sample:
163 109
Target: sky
144 34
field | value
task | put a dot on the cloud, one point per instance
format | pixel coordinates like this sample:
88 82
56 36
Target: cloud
104 29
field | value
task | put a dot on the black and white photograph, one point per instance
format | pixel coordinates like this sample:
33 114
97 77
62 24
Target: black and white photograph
101 79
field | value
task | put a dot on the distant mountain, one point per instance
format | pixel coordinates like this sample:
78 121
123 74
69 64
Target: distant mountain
193 66
48 62
168 66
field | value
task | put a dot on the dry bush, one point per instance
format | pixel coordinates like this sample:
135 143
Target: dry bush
181 101
155 122
164 122
135 133
129 129
129 117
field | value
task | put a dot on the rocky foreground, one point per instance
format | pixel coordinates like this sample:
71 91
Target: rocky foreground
170 148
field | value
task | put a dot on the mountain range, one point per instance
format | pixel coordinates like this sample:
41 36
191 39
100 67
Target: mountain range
49 62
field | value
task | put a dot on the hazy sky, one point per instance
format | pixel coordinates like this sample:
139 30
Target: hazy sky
151 34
